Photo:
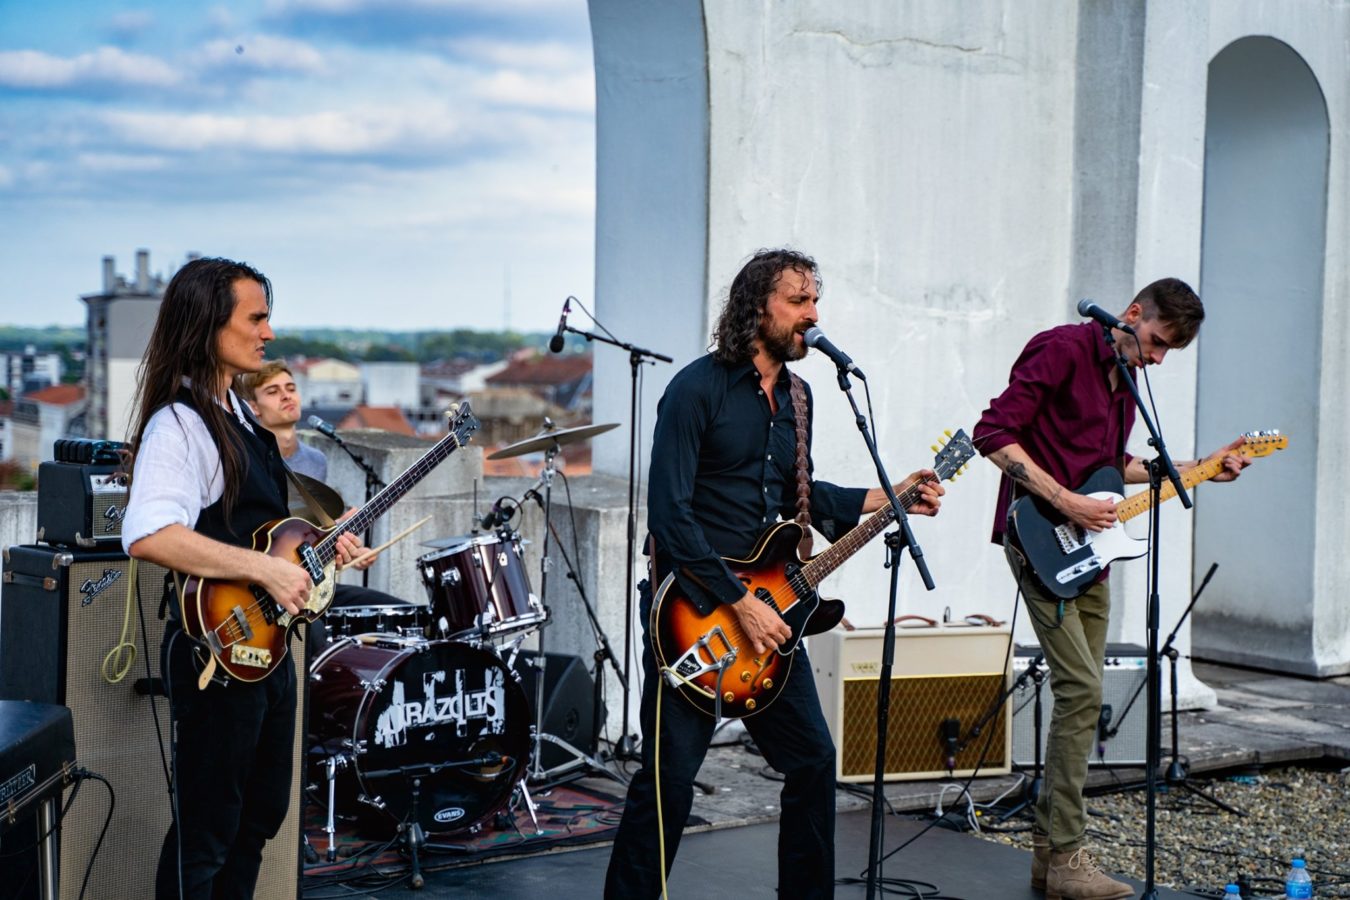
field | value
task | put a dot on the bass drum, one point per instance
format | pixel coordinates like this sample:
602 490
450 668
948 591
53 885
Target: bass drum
442 722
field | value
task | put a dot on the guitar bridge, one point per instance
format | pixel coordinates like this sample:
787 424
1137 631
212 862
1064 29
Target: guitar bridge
1070 536
702 658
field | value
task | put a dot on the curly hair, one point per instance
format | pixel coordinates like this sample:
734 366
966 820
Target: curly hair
737 327
198 303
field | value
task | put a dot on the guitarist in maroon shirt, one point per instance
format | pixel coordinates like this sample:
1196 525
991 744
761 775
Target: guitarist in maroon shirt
1064 415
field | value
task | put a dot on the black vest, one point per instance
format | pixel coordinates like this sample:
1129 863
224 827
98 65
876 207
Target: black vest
262 495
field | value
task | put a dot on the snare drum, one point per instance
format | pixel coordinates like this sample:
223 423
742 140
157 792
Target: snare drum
450 715
403 621
480 588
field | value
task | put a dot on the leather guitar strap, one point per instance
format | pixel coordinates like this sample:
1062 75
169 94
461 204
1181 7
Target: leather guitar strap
803 517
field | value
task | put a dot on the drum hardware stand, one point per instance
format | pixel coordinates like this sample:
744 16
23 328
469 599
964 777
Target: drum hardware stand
335 763
1031 787
537 772
626 748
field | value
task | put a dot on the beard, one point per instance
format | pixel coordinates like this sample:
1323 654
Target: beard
780 344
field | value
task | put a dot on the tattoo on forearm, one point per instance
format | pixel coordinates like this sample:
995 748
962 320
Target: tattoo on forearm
1018 472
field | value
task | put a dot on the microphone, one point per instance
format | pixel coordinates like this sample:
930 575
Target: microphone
555 343
950 734
1089 310
1103 729
816 338
323 428
496 516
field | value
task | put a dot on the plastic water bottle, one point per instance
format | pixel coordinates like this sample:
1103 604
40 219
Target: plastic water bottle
1297 884
1231 891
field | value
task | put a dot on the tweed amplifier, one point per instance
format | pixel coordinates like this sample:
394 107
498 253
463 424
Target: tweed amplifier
81 505
944 681
1125 671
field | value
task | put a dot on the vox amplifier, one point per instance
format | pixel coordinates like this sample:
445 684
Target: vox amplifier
944 681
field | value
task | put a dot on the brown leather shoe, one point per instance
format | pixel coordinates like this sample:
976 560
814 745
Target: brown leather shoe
1040 859
1076 876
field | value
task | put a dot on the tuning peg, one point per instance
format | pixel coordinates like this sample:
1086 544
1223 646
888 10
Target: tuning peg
947 432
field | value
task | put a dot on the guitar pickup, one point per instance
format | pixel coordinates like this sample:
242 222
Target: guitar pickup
701 658
1091 564
310 561
242 621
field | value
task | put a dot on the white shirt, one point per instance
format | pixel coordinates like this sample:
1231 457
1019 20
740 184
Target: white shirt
177 472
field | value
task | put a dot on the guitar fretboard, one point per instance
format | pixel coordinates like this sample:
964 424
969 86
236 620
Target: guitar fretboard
820 568
326 549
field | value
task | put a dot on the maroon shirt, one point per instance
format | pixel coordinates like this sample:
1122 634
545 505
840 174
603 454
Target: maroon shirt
1060 408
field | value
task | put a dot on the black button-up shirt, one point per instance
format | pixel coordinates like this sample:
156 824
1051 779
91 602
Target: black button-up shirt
723 470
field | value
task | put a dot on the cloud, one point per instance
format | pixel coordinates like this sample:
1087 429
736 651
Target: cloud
415 129
574 93
263 53
130 24
352 7
101 68
554 56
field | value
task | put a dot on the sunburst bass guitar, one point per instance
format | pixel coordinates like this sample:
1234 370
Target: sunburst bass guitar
1066 559
709 659
241 625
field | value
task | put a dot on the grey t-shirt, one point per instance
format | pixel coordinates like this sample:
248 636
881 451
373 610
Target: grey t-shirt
308 461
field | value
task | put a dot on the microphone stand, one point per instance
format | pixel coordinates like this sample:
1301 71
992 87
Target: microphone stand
626 748
901 537
374 484
1158 468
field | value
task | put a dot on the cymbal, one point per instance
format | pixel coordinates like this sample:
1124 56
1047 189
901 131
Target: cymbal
329 500
545 440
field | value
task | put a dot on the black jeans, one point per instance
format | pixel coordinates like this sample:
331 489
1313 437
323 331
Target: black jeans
232 775
792 735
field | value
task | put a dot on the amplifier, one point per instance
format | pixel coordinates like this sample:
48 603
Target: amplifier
61 613
1125 671
941 676
81 505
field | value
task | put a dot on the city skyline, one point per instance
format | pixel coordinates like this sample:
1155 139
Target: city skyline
401 165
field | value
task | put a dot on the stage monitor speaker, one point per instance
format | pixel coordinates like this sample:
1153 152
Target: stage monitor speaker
1125 670
62 613
569 701
941 676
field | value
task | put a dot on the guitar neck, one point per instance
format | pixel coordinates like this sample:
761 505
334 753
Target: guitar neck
1142 502
822 565
386 498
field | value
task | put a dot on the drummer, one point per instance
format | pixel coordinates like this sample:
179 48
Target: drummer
274 398
272 395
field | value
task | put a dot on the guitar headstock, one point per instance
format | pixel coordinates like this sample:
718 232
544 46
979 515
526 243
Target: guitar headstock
462 422
1262 443
953 452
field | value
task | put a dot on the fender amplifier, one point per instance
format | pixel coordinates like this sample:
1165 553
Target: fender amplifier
81 505
1123 674
945 680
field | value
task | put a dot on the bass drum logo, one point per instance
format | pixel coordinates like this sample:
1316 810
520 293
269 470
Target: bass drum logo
452 814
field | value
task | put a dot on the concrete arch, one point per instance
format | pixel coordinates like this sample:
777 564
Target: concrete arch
1263 247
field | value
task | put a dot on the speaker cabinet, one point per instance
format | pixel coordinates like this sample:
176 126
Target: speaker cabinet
940 674
63 614
569 703
1124 672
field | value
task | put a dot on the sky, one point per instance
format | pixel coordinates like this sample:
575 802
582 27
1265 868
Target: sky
395 164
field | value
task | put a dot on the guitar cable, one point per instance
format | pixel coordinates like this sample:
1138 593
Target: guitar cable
122 656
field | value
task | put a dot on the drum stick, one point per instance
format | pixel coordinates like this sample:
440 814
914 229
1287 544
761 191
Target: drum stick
392 541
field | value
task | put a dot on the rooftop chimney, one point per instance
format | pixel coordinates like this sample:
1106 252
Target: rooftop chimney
143 271
109 274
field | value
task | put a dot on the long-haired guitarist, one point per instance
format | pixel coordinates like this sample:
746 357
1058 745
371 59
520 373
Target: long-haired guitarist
723 470
205 476
1063 416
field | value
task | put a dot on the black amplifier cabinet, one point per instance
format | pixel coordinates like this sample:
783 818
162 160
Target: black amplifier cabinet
81 505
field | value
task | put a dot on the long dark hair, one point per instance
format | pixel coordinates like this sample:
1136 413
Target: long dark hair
738 326
197 304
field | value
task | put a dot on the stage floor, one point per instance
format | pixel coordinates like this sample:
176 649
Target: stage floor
742 862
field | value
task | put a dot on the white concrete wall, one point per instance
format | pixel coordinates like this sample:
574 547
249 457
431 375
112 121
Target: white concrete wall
390 383
946 166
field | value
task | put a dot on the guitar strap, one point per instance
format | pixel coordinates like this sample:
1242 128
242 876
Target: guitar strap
799 414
